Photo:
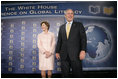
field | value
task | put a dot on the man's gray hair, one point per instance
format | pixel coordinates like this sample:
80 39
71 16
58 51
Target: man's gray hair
67 10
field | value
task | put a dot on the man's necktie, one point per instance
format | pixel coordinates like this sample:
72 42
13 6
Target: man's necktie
68 30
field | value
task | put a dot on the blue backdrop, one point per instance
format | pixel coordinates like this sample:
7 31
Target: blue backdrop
20 25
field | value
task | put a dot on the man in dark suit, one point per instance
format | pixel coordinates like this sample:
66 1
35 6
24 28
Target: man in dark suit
71 45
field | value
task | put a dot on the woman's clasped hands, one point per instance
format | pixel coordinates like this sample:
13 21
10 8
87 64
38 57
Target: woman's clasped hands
48 54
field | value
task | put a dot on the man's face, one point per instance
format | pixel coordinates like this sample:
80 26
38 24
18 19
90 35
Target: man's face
69 15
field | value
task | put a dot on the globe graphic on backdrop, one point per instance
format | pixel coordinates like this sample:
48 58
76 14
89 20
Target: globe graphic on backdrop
99 43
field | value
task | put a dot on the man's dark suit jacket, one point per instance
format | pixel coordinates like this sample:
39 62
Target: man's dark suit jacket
75 42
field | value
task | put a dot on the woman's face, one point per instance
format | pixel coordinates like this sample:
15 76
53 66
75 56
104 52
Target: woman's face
44 27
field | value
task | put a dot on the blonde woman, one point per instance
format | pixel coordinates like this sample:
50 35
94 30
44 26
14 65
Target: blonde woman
46 45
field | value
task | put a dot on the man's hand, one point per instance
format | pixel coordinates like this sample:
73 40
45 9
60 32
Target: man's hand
82 55
57 56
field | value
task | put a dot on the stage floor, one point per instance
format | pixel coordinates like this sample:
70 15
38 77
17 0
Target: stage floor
86 74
